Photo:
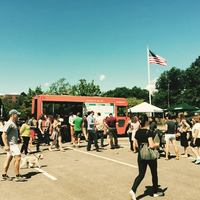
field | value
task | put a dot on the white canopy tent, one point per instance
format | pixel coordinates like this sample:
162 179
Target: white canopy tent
145 108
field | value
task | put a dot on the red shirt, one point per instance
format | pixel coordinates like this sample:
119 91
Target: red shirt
111 121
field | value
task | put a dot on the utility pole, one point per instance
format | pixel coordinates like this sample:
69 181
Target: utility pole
168 96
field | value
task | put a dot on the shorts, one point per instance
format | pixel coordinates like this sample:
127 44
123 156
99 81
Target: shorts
77 134
32 133
197 142
170 137
14 150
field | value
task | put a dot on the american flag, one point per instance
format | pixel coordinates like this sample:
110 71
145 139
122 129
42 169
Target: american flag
156 59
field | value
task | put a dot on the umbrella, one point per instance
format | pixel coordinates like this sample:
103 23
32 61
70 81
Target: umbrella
182 107
197 111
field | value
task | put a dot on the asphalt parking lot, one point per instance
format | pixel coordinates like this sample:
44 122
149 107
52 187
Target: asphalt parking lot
80 175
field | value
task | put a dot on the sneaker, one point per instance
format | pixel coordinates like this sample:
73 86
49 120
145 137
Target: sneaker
20 178
166 158
177 158
5 178
197 161
158 194
132 195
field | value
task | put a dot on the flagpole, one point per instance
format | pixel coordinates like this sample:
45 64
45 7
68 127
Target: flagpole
148 74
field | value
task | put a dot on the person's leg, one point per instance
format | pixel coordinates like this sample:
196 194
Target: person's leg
108 139
115 137
90 139
131 142
50 148
194 151
79 140
16 163
153 168
23 146
31 141
48 139
72 133
167 149
95 140
102 138
175 148
111 138
39 140
26 142
6 164
60 143
142 166
134 146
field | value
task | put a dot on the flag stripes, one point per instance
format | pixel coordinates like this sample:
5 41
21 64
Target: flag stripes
156 59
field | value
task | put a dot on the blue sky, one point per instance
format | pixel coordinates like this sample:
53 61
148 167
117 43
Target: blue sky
42 41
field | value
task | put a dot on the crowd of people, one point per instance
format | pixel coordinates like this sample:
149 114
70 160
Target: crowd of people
140 133
11 135
139 130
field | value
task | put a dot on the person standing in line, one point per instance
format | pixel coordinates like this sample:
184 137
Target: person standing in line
111 123
135 125
144 135
129 132
56 135
77 129
153 124
10 136
195 141
46 130
2 125
32 130
85 126
100 127
64 131
92 133
183 127
25 135
71 119
170 128
39 132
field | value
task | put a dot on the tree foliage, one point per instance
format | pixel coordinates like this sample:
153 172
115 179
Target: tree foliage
134 101
184 86
59 87
23 103
124 92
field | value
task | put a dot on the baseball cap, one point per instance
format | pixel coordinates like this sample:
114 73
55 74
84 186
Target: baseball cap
13 111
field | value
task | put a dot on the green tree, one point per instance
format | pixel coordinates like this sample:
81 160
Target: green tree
133 101
192 84
59 87
172 80
124 92
85 89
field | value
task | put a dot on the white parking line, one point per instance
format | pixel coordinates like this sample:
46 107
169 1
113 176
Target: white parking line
46 174
123 163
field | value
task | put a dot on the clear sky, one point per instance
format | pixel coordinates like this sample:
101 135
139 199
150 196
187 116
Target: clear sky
42 41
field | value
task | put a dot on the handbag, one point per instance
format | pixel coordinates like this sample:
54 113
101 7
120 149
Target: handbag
146 153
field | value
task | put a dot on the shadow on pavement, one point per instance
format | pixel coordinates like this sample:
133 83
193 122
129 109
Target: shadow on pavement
149 192
30 174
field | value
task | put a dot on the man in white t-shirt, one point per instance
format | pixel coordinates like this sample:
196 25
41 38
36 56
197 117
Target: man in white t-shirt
195 142
10 136
100 127
71 119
